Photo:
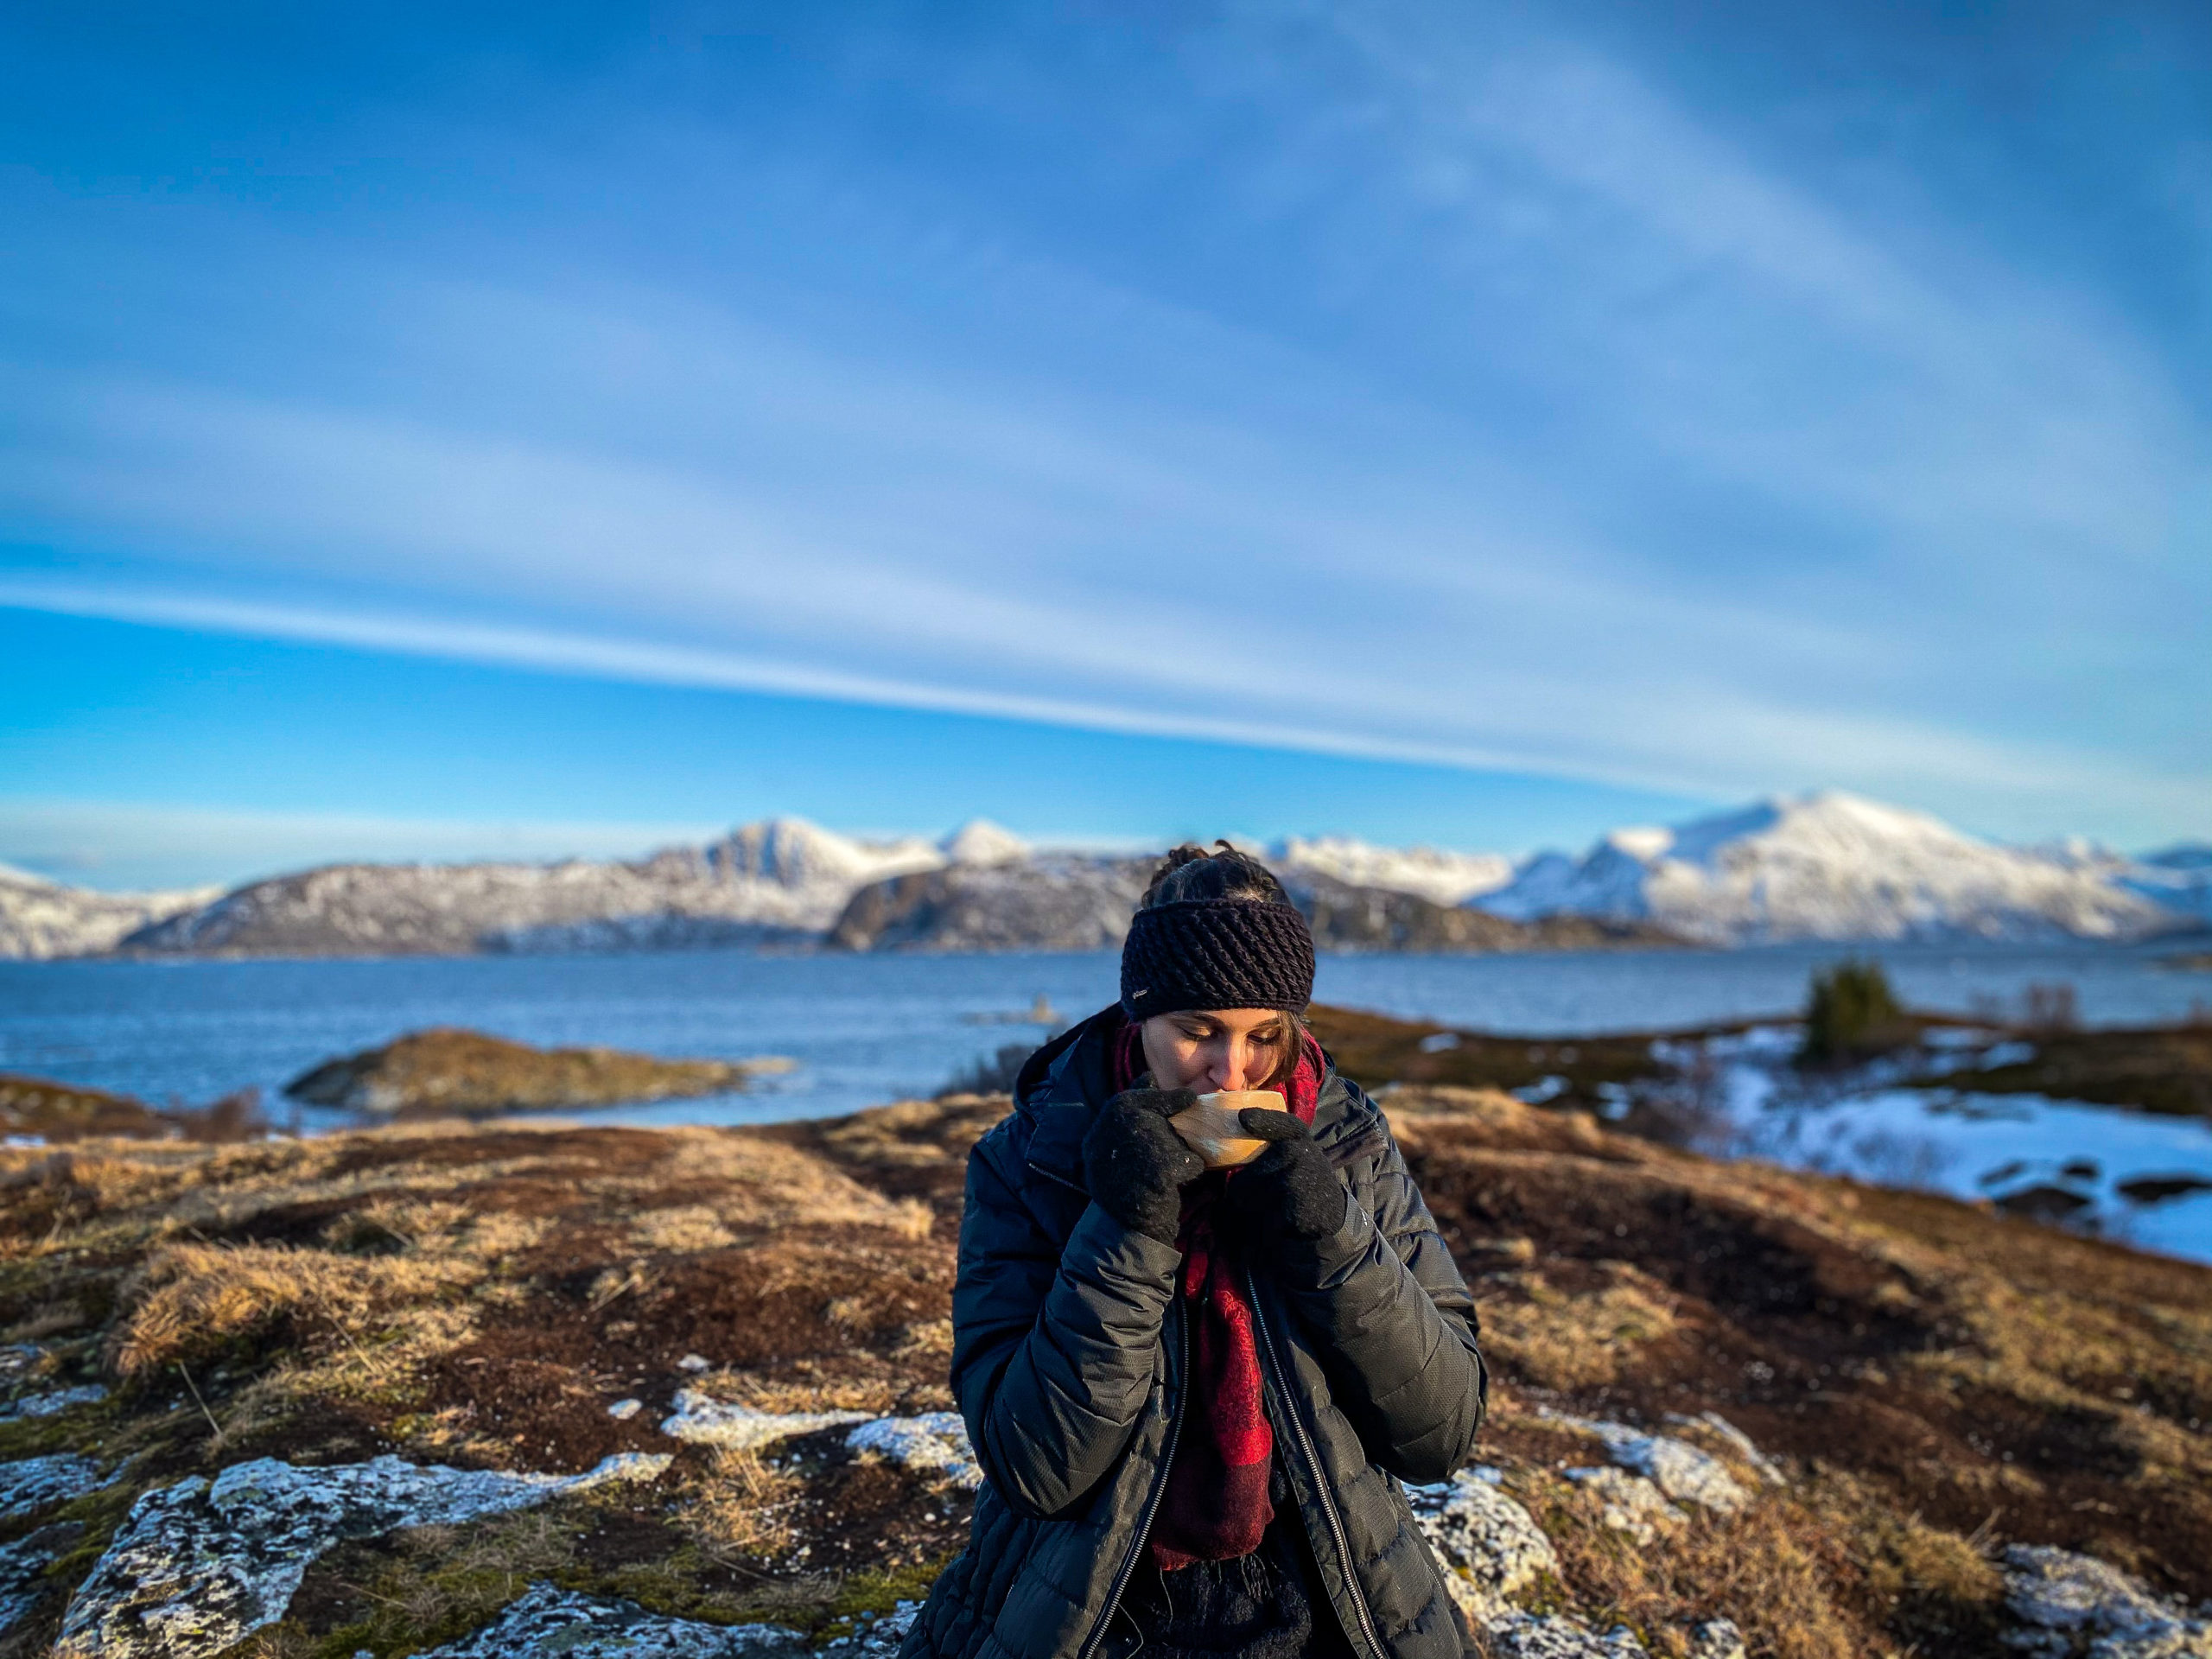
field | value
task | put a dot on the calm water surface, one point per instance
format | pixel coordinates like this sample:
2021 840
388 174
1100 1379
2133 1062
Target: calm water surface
870 1028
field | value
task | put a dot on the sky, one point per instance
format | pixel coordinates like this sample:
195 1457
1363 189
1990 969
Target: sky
469 430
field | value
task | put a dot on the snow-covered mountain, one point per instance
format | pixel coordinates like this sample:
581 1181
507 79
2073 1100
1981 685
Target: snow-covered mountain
40 919
2179 878
780 878
1821 867
1442 878
1831 865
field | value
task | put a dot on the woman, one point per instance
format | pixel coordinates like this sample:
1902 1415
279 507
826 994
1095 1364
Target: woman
1193 1393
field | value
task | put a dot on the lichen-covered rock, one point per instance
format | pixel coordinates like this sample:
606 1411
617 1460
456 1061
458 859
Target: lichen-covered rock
24 1564
1717 1638
1526 1636
2074 1603
30 1484
53 1404
547 1621
1679 1469
1489 1543
199 1565
935 1443
879 1638
20 1362
1633 1503
704 1422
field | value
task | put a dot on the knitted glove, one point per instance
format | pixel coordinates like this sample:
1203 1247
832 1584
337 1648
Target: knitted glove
1288 1191
1136 1167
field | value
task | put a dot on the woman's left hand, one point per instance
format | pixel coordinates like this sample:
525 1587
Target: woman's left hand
1290 1189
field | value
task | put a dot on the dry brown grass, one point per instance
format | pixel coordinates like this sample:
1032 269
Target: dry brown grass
117 1195
190 1300
1576 1341
742 1509
764 1186
684 1230
784 1395
1783 1576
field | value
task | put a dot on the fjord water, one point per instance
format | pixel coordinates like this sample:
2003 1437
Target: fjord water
870 1028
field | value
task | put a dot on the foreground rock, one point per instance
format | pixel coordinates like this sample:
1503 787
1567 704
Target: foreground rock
549 1622
2070 1604
447 1069
200 1565
1490 1547
1813 1394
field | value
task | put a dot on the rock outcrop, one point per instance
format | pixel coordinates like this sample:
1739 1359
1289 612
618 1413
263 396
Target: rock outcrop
202 1564
449 1071
2071 1604
552 1624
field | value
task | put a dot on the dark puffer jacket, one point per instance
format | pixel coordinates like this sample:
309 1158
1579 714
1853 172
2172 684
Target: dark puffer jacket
1068 1361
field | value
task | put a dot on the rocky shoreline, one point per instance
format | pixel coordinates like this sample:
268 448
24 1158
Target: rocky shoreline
464 1391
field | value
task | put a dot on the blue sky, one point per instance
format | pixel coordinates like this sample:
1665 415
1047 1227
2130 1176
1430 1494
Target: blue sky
440 430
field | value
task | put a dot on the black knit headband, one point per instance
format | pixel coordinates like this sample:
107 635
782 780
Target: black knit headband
1216 953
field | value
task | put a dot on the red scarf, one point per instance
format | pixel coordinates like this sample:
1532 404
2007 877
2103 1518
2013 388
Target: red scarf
1215 1506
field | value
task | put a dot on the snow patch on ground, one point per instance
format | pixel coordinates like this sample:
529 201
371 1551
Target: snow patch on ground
936 1443
704 1421
1978 1146
199 1565
1676 1467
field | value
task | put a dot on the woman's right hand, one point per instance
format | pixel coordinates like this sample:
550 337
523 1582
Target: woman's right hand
1135 1164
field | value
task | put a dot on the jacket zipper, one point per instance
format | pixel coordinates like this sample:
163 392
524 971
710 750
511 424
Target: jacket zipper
1313 1472
1060 1180
1158 1489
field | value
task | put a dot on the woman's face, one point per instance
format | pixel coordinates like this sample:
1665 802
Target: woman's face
1220 1048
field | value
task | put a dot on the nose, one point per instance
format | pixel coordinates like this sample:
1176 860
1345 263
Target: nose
1236 1066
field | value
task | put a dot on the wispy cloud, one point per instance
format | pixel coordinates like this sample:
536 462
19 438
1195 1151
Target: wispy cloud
137 846
1562 433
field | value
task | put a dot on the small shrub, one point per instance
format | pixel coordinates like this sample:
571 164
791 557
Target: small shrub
991 1074
2049 1009
1851 1015
233 1118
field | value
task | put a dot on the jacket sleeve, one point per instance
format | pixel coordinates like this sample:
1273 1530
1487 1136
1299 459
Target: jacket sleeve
1396 1327
1054 1349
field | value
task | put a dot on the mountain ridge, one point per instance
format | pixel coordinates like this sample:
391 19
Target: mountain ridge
1824 865
1835 866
